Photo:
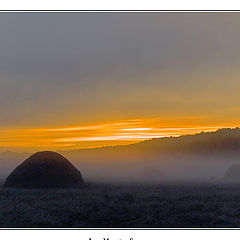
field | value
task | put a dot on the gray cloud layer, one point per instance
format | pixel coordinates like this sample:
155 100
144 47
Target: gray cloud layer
91 65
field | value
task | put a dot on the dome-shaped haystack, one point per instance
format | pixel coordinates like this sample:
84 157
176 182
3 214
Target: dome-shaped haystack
45 170
233 173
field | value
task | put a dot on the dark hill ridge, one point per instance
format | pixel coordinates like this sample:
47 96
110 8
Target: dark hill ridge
45 170
226 140
222 140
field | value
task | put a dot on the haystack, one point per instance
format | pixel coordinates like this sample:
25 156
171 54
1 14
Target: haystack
45 170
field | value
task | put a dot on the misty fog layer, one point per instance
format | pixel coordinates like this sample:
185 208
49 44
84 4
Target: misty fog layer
204 156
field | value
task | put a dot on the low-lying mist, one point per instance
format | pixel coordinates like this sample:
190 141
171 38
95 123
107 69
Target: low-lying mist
200 157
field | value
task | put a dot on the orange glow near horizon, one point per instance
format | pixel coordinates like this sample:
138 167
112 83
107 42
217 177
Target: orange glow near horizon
101 134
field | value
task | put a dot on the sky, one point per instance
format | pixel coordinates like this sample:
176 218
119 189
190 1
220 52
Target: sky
80 80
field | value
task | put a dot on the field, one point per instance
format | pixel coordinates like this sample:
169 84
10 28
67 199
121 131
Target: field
123 206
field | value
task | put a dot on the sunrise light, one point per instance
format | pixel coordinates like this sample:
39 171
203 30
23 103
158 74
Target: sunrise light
97 134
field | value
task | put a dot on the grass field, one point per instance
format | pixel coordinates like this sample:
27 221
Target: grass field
123 206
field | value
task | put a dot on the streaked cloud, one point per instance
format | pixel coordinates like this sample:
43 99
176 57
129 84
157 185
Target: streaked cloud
77 80
99 134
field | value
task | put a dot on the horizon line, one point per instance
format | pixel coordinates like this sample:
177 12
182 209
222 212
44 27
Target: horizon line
129 144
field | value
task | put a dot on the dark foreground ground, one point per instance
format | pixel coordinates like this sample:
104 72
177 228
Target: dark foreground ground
123 206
